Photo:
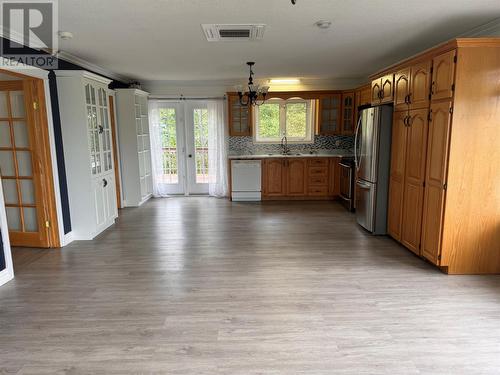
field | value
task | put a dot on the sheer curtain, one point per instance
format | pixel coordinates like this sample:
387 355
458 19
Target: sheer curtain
217 149
159 187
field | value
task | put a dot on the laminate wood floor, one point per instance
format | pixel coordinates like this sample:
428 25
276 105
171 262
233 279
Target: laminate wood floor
205 286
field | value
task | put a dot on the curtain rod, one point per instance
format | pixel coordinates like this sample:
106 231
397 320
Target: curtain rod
183 98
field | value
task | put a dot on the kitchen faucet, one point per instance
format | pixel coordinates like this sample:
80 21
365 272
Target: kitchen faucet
284 145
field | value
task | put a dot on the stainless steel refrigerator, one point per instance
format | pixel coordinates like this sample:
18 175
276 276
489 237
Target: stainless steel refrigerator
372 155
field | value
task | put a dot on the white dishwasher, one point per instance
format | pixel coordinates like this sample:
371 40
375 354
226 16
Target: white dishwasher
246 180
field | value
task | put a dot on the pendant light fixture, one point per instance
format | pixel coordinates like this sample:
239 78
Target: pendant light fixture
256 95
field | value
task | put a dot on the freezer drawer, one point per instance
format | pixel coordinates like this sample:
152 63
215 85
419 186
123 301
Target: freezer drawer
365 205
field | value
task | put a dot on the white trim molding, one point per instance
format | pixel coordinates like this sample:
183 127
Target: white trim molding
8 273
83 74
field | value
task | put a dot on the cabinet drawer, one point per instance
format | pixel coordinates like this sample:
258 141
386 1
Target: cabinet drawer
318 162
318 180
318 171
318 191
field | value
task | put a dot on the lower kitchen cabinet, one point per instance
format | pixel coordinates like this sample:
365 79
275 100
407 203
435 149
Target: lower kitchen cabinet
300 178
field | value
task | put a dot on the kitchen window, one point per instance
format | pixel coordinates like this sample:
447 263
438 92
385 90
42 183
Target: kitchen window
278 117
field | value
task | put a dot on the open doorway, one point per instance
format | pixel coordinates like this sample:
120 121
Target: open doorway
25 162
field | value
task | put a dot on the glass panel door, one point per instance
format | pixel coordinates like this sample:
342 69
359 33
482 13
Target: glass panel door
21 183
197 147
170 164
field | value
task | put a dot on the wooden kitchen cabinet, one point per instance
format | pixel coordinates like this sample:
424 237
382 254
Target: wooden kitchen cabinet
329 114
382 89
397 175
239 117
412 87
296 177
347 126
401 89
413 194
435 179
274 178
443 75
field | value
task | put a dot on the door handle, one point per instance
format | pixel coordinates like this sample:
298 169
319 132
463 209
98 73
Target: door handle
362 185
104 182
101 129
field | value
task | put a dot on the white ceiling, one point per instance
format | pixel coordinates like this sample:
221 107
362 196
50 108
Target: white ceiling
162 40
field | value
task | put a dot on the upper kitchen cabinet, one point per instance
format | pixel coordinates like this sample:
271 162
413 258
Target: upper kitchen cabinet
412 87
382 89
347 113
443 75
330 114
240 117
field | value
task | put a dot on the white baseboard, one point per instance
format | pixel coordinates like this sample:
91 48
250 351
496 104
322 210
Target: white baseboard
68 238
6 275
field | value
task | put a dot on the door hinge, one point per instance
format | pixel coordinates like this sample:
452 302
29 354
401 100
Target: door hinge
439 257
35 105
453 87
445 186
429 116
432 69
451 110
455 59
47 224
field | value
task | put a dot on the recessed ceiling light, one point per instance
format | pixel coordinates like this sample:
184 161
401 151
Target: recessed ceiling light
65 35
284 81
323 24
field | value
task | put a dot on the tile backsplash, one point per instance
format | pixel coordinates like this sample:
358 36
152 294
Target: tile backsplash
245 145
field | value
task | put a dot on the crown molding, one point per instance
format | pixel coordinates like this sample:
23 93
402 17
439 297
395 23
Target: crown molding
483 30
92 67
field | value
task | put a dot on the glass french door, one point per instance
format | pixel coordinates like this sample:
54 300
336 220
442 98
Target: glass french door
26 174
197 148
183 134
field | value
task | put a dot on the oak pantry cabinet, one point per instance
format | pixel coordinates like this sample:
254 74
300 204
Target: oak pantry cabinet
444 197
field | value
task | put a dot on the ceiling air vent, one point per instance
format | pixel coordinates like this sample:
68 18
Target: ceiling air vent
231 33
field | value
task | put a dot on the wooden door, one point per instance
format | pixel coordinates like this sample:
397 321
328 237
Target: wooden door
387 86
435 180
376 91
26 166
240 117
330 114
296 177
348 113
443 75
397 174
420 85
413 195
274 177
115 150
401 89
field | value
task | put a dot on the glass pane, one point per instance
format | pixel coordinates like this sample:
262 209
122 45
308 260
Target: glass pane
7 163
10 191
93 166
21 134
87 93
169 144
110 163
296 120
325 115
4 113
145 126
90 121
97 141
140 145
99 91
335 101
30 219
141 164
138 127
17 104
92 95
98 163
13 218
325 103
24 163
5 134
269 121
27 191
201 145
104 98
145 142
147 161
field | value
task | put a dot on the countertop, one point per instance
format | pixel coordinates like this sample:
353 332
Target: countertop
320 154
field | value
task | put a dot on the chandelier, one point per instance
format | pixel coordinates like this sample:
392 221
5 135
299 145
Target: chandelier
256 95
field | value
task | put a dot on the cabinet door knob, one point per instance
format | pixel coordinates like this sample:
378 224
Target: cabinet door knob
104 182
190 156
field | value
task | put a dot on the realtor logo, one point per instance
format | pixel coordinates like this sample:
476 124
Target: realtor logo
29 33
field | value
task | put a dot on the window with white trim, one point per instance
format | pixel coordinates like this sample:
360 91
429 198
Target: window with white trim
278 117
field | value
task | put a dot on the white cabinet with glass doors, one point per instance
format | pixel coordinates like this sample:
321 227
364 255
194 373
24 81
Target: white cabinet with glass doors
88 151
135 148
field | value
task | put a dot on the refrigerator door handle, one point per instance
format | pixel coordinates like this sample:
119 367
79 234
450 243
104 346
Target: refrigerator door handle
363 185
356 161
